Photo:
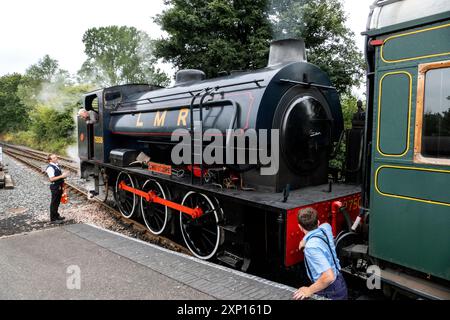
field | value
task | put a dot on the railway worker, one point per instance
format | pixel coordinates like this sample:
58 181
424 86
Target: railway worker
91 117
321 262
56 177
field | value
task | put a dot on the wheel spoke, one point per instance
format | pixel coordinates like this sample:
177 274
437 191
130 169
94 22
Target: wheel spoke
157 221
201 235
154 214
160 210
127 206
203 244
207 239
210 231
159 218
125 200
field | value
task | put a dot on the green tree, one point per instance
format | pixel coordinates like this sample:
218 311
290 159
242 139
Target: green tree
38 109
330 44
13 113
52 125
38 78
215 35
120 55
43 71
349 107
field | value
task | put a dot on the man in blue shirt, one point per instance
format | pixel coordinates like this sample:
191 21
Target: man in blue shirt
321 262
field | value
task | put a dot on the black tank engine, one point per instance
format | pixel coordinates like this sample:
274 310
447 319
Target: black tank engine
228 211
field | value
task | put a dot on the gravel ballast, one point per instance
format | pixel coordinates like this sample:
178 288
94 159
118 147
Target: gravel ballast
26 207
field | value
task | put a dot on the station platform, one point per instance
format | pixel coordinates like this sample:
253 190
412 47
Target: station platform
45 264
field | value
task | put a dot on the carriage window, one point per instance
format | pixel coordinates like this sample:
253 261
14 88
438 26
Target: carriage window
436 114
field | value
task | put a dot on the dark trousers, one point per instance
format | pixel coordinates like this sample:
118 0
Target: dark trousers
335 291
56 200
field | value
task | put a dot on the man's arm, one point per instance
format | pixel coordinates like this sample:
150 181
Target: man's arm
323 282
316 260
64 175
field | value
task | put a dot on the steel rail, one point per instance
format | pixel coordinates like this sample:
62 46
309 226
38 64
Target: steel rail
137 227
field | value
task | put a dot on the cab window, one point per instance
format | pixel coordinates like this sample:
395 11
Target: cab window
91 103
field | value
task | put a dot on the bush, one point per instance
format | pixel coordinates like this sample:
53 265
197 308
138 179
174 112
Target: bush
349 107
51 130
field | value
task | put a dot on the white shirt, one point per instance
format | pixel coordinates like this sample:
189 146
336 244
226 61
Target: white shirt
93 117
51 171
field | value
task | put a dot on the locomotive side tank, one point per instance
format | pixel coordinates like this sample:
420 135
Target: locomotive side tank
289 95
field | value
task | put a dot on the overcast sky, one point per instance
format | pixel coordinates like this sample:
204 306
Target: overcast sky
30 29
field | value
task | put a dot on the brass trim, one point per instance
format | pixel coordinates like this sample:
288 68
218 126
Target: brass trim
418 157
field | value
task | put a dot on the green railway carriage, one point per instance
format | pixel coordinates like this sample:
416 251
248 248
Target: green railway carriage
407 173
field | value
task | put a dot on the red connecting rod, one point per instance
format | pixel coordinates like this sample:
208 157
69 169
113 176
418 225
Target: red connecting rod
152 197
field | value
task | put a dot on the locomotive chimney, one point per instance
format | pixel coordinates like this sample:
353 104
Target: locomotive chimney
287 50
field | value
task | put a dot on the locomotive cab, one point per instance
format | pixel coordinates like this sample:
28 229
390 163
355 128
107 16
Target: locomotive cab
91 143
88 131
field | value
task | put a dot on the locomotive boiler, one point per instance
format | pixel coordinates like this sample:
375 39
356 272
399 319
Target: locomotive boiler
227 210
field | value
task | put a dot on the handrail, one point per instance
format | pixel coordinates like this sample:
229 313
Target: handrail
308 84
190 92
191 131
209 104
207 93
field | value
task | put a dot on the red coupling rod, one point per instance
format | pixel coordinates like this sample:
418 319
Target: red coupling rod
152 197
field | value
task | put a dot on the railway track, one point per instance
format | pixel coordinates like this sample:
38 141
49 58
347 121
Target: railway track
66 163
36 159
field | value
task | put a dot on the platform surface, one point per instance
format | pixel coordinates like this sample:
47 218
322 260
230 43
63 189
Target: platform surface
43 264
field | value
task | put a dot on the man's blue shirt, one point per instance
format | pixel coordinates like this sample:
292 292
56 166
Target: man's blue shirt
317 253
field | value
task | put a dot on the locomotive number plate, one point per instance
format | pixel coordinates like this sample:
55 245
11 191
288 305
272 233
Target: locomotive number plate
160 168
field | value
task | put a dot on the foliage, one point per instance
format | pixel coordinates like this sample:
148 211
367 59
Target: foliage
330 44
40 106
119 55
32 88
349 108
50 130
53 126
13 113
228 35
43 71
214 35
437 124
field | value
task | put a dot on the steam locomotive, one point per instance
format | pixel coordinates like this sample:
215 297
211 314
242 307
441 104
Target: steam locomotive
229 211
388 206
